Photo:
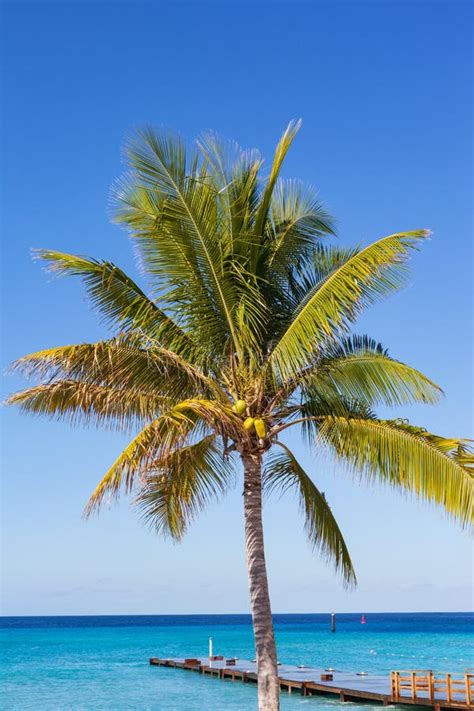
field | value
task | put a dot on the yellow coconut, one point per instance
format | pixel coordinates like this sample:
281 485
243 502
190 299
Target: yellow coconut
260 427
239 407
249 424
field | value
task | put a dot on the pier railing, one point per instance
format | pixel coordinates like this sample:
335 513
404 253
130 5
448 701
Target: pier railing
423 684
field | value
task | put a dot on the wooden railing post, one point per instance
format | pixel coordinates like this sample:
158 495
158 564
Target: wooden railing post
394 685
430 685
448 688
467 684
413 685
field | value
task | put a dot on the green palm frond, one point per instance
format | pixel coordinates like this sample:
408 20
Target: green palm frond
177 487
216 414
323 261
326 259
298 219
405 457
335 302
82 402
464 456
234 178
280 152
121 363
121 301
171 264
317 405
159 439
180 243
360 369
282 471
285 292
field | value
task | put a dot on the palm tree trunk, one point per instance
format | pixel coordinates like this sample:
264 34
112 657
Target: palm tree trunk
268 688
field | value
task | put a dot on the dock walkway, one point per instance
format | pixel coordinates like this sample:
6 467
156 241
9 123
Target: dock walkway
421 688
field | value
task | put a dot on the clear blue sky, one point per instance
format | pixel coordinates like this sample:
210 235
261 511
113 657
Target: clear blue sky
383 90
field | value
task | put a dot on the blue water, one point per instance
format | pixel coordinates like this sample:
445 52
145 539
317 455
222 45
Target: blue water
89 663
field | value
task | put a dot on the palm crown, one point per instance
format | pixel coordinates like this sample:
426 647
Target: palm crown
248 300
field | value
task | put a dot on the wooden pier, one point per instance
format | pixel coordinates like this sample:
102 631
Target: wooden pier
416 687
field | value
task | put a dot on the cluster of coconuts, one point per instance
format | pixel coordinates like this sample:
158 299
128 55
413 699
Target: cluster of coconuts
250 423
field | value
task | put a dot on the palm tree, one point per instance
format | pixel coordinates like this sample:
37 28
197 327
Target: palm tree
244 332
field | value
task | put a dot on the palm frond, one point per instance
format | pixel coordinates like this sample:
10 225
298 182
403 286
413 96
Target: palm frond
244 196
120 363
159 439
88 403
182 243
360 369
280 152
335 302
282 471
234 176
178 486
324 261
121 301
317 404
427 466
169 258
298 219
285 292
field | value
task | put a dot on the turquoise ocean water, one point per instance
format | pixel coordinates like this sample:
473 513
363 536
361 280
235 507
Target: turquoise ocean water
88 663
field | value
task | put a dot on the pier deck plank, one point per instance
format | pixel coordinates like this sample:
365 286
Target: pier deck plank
307 680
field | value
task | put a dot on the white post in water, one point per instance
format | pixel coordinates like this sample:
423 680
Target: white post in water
210 647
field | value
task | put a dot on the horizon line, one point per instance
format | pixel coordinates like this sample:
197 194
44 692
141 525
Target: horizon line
248 614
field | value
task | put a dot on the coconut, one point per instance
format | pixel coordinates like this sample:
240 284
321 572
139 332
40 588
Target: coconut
260 427
249 424
239 407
